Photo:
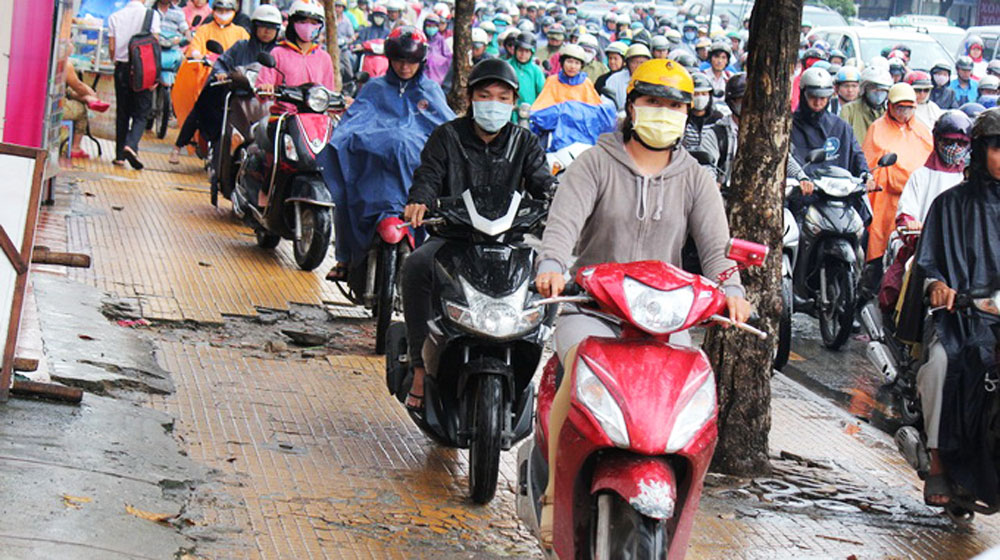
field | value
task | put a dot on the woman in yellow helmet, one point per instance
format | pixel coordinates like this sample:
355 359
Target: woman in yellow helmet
640 195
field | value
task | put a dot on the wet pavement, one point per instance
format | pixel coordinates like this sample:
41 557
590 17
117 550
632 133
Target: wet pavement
303 453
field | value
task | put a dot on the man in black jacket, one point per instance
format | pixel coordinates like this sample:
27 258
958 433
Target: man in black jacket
483 153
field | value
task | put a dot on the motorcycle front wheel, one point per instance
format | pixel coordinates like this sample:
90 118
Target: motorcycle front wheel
619 531
784 347
165 111
317 229
385 285
484 451
836 318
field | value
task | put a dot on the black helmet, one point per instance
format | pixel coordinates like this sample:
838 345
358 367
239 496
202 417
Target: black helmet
987 124
953 122
493 70
973 110
406 43
685 58
736 87
643 38
526 41
964 63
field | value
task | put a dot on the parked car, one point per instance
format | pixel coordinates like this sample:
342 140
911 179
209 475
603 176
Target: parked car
819 16
952 38
864 43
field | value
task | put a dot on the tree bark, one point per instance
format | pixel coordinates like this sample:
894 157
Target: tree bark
331 42
743 363
461 62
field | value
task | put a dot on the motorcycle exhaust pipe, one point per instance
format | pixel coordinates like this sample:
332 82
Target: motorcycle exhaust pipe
872 326
879 356
911 447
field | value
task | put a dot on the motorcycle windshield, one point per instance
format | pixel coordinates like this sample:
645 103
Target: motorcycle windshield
491 215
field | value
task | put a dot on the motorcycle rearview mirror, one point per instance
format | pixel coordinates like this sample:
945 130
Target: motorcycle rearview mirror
196 21
816 156
888 160
363 78
746 253
718 93
524 111
266 60
214 47
547 65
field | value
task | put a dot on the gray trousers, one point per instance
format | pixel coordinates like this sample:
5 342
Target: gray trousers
930 386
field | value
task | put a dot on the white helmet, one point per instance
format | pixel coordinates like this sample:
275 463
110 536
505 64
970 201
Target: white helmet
479 36
266 14
876 76
588 40
306 9
394 6
572 51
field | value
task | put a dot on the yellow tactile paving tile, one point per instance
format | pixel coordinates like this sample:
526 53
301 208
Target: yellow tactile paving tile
153 235
325 464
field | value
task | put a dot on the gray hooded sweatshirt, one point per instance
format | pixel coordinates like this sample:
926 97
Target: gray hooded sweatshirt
630 217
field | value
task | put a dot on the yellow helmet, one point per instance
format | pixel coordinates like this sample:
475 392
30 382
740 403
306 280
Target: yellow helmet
662 78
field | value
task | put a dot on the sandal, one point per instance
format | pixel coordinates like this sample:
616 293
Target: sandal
414 402
133 159
937 486
79 154
545 525
175 156
339 274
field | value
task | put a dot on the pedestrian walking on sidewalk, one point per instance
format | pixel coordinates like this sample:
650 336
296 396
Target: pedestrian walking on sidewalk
132 106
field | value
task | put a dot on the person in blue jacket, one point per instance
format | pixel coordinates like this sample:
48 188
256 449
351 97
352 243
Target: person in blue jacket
372 154
966 87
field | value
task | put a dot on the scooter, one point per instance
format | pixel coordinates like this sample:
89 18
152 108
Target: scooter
895 359
280 192
789 256
910 440
827 272
641 428
170 62
371 58
241 111
487 336
375 284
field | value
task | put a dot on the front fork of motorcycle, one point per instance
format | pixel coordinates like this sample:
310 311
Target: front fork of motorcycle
298 221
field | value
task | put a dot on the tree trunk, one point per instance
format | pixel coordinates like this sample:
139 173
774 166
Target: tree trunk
461 62
743 363
331 42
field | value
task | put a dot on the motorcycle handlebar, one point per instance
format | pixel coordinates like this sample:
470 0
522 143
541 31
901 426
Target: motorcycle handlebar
742 326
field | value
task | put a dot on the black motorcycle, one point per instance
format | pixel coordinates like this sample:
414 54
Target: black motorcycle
241 111
831 256
486 340
280 192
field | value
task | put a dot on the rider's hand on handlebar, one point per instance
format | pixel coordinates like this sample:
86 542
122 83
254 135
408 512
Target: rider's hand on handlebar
807 187
221 76
265 89
739 309
915 225
872 186
941 295
414 213
550 284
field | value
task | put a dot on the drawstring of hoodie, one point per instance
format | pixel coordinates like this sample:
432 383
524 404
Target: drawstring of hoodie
641 209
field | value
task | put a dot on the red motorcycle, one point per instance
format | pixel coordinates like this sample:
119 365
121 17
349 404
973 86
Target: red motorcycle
641 428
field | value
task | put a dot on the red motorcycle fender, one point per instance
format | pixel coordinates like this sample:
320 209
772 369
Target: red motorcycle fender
389 232
647 483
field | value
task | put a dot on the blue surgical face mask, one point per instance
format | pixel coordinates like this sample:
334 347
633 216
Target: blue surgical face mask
876 97
431 31
690 35
491 115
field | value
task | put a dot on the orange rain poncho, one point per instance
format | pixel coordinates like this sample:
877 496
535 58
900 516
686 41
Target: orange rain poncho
912 143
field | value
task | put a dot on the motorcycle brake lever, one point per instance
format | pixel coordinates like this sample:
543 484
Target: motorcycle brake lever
742 326
427 222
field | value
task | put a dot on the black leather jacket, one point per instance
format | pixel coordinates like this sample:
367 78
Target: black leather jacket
455 159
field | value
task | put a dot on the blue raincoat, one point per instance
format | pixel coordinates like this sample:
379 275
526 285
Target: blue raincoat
369 163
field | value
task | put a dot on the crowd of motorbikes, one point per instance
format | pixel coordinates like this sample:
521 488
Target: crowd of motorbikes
641 431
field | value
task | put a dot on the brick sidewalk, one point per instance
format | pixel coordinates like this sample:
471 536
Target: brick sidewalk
318 461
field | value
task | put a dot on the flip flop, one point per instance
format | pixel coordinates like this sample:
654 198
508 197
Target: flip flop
99 106
937 485
133 159
418 407
338 274
79 154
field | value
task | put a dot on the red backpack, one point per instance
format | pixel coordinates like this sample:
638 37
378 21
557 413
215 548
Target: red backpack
144 56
